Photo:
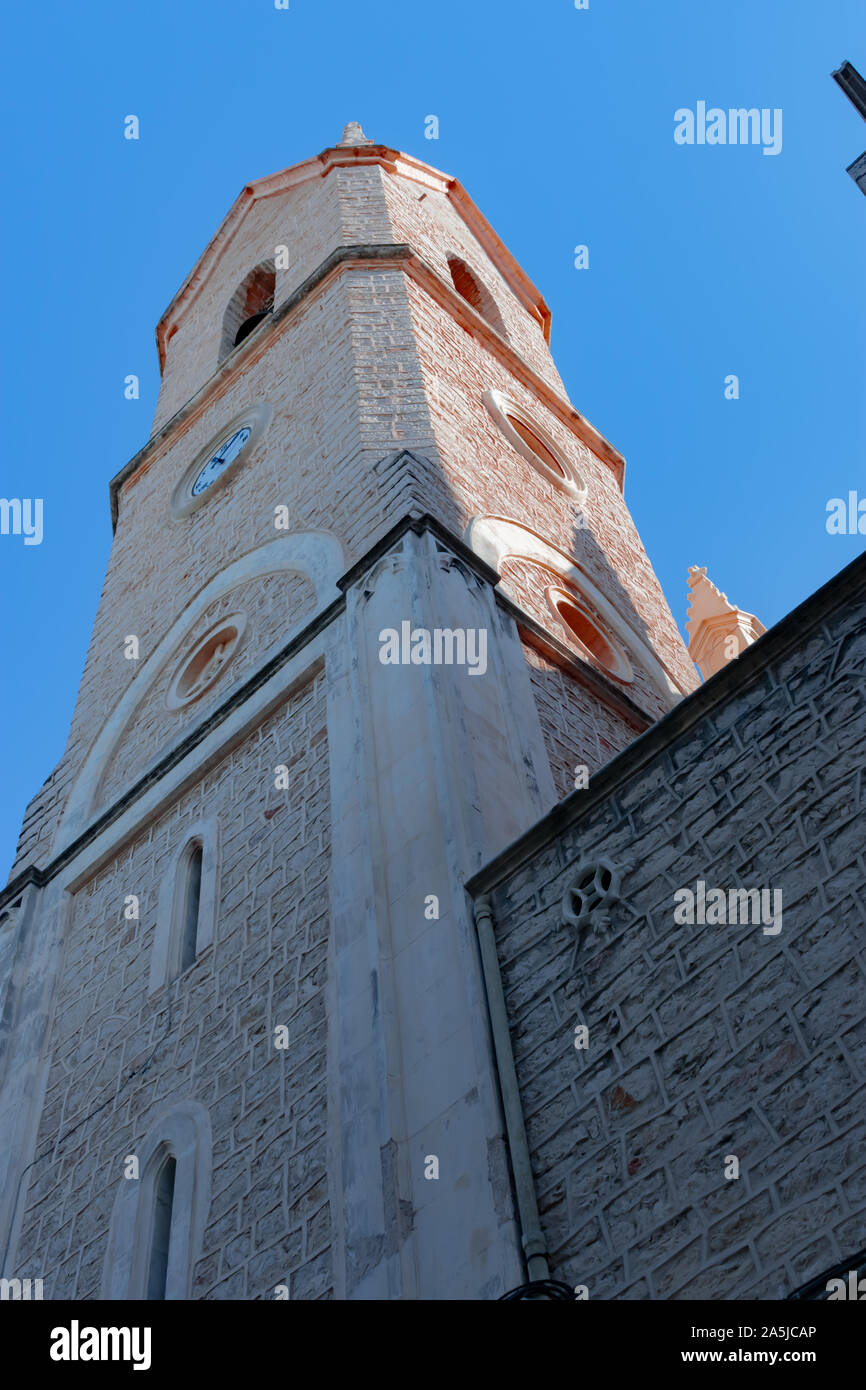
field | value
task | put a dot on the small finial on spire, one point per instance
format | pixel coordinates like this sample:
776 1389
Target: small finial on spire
718 630
354 135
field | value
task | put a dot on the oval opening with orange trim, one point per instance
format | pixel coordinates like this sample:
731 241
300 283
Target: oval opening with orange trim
203 667
588 636
538 447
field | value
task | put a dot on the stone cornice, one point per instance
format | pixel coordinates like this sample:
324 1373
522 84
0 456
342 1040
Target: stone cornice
532 631
745 670
41 876
239 359
343 257
419 522
565 412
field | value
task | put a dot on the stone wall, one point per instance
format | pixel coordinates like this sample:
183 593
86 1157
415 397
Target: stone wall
311 219
119 1054
336 415
705 1041
578 729
274 604
432 225
485 476
370 364
526 582
371 391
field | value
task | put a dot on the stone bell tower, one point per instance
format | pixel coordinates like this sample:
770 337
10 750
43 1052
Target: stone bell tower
374 603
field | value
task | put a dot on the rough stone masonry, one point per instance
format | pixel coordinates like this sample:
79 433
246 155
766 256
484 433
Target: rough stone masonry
248 1049
704 1041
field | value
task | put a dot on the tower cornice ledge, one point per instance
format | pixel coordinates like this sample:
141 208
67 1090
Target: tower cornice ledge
319 166
417 522
342 257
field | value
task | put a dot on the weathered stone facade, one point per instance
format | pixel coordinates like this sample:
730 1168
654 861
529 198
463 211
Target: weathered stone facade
704 1041
117 1054
578 730
294 819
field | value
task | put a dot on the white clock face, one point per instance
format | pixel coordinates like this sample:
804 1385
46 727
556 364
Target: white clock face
220 460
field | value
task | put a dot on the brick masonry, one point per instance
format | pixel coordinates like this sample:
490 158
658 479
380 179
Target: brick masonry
578 730
484 475
374 373
208 1035
526 582
364 369
705 1041
273 604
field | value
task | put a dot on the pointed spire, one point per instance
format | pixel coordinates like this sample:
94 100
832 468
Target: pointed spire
354 135
718 631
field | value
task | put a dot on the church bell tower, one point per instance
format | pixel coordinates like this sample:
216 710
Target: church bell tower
375 602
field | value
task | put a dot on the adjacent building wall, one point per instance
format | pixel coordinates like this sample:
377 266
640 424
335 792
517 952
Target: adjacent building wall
705 1041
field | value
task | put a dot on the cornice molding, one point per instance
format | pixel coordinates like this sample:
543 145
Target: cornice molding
348 257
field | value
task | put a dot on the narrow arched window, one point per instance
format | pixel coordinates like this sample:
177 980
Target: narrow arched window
188 896
190 903
249 324
251 302
163 1206
470 288
157 1223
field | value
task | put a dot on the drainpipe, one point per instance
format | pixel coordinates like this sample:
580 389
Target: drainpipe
534 1244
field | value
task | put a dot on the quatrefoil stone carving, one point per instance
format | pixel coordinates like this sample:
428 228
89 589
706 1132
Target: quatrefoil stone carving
591 891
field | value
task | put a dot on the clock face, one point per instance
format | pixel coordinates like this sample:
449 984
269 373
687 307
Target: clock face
219 461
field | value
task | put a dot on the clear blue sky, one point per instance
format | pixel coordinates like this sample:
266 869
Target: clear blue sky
704 261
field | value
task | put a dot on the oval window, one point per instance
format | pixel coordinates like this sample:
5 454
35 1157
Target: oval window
199 671
540 449
584 631
533 443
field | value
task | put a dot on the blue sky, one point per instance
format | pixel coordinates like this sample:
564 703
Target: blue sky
704 261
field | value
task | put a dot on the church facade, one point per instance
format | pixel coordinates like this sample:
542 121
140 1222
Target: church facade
375 605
